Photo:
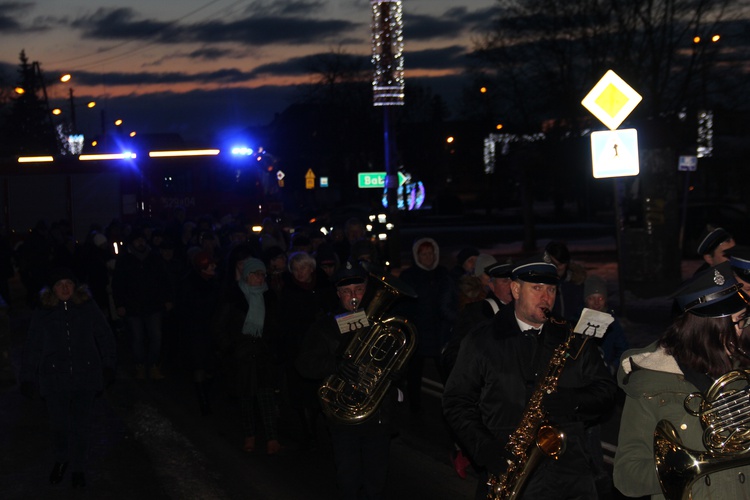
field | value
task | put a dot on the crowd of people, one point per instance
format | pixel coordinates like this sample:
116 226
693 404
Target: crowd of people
260 315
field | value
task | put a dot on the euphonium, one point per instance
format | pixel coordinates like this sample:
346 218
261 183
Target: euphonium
725 416
377 351
534 438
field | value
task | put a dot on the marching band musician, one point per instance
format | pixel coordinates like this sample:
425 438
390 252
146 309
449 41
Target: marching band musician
497 370
704 342
360 449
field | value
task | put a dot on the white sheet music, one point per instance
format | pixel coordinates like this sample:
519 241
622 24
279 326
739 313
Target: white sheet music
593 323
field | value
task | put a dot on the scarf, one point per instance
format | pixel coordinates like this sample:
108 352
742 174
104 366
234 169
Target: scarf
256 309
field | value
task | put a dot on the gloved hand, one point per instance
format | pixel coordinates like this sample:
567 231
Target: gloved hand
109 376
28 390
347 369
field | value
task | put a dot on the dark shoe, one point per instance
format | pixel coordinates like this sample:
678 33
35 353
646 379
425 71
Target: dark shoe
58 471
78 480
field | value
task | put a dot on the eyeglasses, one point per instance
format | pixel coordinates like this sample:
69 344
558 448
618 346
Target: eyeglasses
742 323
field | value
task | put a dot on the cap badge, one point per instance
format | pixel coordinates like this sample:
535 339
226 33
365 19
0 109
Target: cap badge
348 266
718 278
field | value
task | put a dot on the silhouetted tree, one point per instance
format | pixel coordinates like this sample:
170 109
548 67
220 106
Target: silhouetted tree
28 127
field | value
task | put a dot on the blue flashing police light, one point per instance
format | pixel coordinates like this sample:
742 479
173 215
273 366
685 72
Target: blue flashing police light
242 151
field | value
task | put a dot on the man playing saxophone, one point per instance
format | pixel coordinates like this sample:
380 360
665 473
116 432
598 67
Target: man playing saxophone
499 366
669 386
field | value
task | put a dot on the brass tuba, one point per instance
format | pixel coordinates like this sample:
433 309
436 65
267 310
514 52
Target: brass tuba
377 350
725 416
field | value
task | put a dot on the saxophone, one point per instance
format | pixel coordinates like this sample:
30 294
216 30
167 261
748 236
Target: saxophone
534 438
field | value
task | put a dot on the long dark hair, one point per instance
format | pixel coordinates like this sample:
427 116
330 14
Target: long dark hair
702 343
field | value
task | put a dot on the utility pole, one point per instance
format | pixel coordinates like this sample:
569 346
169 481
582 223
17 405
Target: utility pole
388 91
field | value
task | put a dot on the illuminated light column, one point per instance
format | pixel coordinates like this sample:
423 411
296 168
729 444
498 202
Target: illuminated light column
388 53
388 91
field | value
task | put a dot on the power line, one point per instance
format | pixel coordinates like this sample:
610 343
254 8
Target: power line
144 45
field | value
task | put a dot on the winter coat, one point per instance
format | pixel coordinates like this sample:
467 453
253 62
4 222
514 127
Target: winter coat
435 310
140 284
494 376
244 353
68 345
656 390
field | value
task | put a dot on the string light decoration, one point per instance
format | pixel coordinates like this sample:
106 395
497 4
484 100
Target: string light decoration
388 53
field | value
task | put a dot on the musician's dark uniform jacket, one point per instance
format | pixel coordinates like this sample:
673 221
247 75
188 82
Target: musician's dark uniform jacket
360 450
494 376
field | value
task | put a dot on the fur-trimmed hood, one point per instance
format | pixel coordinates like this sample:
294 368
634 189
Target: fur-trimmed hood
415 249
49 300
646 369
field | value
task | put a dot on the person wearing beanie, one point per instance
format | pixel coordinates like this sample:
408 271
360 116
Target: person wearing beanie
569 303
465 261
250 335
484 261
708 339
68 359
614 342
611 346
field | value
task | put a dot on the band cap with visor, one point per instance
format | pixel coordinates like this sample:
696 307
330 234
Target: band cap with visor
536 271
713 293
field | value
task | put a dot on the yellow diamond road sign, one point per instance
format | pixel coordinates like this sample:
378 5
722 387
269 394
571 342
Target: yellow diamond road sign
611 100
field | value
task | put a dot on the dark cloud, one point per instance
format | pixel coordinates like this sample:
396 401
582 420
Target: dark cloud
209 53
310 63
10 19
421 27
119 24
444 58
123 24
269 31
452 23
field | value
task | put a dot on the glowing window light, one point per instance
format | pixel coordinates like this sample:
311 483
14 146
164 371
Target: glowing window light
388 53
257 229
57 111
20 90
108 156
186 152
242 151
35 159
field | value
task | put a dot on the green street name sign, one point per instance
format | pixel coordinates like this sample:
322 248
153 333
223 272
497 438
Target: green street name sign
376 179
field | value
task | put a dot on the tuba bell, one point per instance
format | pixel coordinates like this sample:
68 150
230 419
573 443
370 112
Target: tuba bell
725 417
377 350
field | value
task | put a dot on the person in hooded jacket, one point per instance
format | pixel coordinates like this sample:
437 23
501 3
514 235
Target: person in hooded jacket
69 358
434 312
709 339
